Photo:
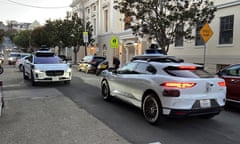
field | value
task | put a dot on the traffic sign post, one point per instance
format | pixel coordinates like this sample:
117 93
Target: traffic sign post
85 40
206 33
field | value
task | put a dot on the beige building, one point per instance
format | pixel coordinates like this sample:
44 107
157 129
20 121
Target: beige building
223 48
108 23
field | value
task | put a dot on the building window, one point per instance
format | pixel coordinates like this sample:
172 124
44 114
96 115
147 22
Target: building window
94 8
106 20
179 36
88 10
198 39
226 30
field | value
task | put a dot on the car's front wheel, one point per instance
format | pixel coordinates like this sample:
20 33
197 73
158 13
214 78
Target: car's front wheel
20 67
33 80
151 108
24 75
106 91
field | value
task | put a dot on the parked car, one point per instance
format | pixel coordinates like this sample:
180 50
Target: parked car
45 66
101 67
231 75
90 63
166 87
12 57
20 62
2 58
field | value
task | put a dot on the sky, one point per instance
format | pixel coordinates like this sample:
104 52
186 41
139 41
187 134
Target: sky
31 10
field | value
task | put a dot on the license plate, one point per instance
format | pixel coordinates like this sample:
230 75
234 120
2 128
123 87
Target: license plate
205 103
55 78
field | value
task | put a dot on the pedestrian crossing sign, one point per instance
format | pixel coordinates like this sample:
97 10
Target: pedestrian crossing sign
114 42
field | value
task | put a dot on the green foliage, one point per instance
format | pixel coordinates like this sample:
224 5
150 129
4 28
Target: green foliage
22 39
160 18
2 33
39 37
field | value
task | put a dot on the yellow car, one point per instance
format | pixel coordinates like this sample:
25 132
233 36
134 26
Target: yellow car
90 63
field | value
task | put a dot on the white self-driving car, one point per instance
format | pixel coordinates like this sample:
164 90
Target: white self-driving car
45 66
165 86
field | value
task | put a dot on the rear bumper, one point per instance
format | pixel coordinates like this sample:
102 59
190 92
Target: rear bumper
195 112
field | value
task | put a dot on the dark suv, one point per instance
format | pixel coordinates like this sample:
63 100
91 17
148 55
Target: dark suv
90 63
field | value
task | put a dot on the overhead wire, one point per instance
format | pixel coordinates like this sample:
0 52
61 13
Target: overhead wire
34 6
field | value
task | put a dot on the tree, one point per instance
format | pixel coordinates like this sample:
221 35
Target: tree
39 37
161 19
22 39
2 33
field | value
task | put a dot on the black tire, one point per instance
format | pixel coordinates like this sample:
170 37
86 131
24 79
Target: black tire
105 91
1 69
33 80
98 72
151 108
67 82
20 67
24 76
209 116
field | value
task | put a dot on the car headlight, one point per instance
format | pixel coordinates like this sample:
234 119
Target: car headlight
38 71
69 70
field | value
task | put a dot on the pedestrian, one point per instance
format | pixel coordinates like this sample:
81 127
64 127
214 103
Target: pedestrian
116 62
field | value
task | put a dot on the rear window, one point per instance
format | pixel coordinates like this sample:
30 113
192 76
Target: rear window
188 71
47 60
14 54
99 59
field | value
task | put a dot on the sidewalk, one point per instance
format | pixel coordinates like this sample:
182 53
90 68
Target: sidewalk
38 116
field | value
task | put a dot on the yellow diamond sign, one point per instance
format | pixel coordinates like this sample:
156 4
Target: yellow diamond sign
206 32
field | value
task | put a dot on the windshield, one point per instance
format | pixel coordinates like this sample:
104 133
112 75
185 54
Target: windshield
47 60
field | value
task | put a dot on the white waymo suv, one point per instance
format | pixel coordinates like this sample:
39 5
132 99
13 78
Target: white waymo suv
165 86
45 66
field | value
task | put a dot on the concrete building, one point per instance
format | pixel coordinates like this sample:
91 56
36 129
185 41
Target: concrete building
223 47
107 23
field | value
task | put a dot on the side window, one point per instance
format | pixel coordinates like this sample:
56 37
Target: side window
233 71
128 69
145 68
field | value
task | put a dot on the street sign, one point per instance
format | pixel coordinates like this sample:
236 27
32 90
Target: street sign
85 37
114 42
206 32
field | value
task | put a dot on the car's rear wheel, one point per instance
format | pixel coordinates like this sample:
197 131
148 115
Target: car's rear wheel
151 108
106 91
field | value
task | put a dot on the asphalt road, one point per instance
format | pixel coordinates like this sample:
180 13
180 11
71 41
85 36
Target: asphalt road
128 122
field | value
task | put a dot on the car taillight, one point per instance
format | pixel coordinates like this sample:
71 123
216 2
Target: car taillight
181 85
222 83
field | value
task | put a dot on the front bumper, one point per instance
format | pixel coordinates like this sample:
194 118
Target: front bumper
45 77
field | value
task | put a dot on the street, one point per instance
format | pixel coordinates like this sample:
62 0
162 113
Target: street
115 117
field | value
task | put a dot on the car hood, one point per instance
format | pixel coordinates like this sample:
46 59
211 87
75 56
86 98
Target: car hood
46 67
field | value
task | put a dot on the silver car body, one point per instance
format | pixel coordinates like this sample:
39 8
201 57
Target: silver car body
46 72
132 87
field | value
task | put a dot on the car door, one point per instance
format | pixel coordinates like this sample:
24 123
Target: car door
121 80
231 75
28 65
